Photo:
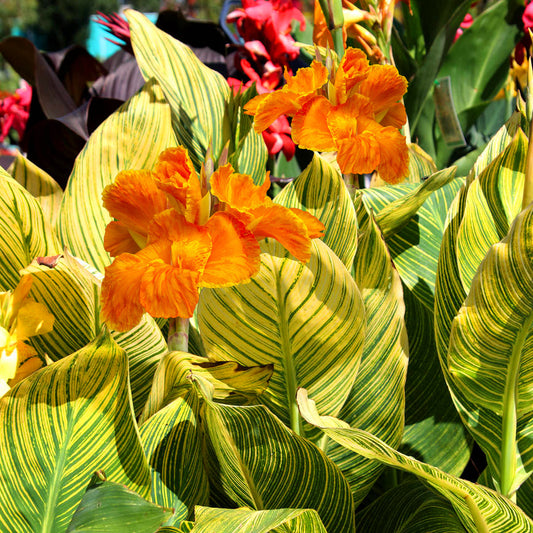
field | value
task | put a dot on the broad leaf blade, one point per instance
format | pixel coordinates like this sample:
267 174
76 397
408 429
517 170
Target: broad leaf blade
60 425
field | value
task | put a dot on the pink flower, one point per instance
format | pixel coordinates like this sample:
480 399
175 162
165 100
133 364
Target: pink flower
15 110
278 138
527 17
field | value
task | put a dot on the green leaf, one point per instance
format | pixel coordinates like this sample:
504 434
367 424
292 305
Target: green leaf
25 231
478 508
490 352
421 164
112 508
376 401
249 521
40 185
131 138
410 507
320 190
60 425
254 460
306 319
172 443
72 295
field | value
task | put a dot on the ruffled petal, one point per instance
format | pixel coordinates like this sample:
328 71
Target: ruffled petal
272 106
118 240
353 69
384 86
235 257
359 154
175 175
394 165
134 199
238 190
310 127
285 226
306 80
395 116
121 306
315 228
169 291
343 120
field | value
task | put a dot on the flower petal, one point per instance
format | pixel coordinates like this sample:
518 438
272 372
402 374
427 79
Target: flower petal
395 116
175 175
384 86
310 127
33 318
285 226
271 106
235 257
169 291
238 190
134 199
359 154
315 228
394 165
121 306
353 69
29 362
118 240
307 80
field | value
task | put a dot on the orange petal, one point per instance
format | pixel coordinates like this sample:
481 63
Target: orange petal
394 165
306 80
118 240
121 306
175 175
343 120
353 69
250 108
134 199
283 225
235 257
29 362
273 106
238 190
310 127
315 228
359 154
169 291
384 86
395 116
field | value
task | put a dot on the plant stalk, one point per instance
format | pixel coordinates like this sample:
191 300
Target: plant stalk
178 334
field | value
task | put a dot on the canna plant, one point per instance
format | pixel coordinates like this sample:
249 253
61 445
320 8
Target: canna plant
222 361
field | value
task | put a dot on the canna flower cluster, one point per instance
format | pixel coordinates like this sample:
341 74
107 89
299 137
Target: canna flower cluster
171 236
20 318
354 111
15 111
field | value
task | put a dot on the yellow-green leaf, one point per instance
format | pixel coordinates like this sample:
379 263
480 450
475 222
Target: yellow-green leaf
24 230
320 190
305 319
60 425
39 184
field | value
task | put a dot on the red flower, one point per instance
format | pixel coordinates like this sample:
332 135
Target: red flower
14 111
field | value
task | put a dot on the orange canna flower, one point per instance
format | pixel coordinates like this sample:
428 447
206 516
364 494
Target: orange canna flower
171 237
356 115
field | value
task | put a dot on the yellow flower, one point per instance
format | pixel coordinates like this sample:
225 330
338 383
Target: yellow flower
171 237
357 115
20 318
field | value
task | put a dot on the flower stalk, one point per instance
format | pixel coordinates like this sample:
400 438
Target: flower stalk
334 16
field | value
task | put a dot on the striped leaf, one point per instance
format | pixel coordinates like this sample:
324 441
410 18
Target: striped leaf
421 164
415 247
231 382
376 401
495 190
60 425
490 354
410 507
249 521
131 138
305 319
73 297
478 508
255 461
197 95
108 507
172 444
24 230
320 190
40 185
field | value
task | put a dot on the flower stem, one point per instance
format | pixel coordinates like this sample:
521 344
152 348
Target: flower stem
178 334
